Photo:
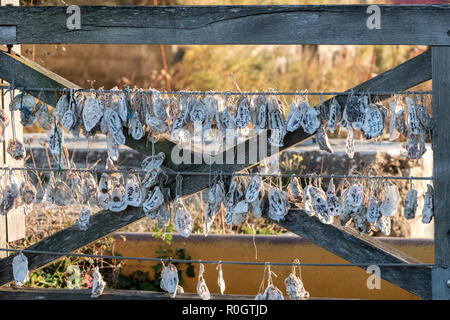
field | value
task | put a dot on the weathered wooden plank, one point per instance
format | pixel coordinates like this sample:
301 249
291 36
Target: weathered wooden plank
8 34
313 24
349 245
106 222
441 165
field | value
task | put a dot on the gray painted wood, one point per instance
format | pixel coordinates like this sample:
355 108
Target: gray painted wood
8 34
349 245
441 169
314 24
105 222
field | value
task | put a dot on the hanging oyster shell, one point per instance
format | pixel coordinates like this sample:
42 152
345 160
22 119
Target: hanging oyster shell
322 140
220 280
310 119
424 118
136 128
277 124
384 224
156 125
307 200
261 114
158 106
428 205
278 204
61 107
211 110
202 289
294 286
412 146
153 201
391 200
253 190
113 147
294 190
2 131
333 204
350 144
122 106
344 125
68 120
319 203
334 115
134 191
152 162
45 119
8 201
393 132
62 194
373 210
182 220
28 193
104 195
152 178
354 196
113 120
98 285
373 124
209 216
400 123
410 205
272 293
163 216
197 112
83 219
92 113
169 279
413 121
355 110
243 112
20 269
118 200
239 213
55 139
16 149
294 118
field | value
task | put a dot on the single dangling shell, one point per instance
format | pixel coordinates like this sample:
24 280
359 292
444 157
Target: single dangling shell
28 193
294 190
55 140
209 216
354 108
152 162
294 286
410 206
344 125
319 202
103 191
163 216
373 210
310 119
257 206
391 200
202 289
122 106
92 113
412 145
153 201
350 144
62 194
113 147
359 113
182 220
294 118
220 280
152 178
239 213
278 204
354 196
428 205
393 132
272 293
137 131
400 123
98 285
16 149
333 204
45 119
158 106
8 200
243 112
228 216
198 112
424 118
322 140
413 121
89 187
61 107
169 279
20 269
134 191
118 200
261 117
384 224
277 124
307 200
68 119
253 190
373 122
83 219
112 120
334 114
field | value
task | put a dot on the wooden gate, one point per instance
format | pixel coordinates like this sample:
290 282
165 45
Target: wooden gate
347 24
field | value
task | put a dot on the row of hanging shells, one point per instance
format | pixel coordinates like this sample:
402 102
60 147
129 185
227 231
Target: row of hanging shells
184 116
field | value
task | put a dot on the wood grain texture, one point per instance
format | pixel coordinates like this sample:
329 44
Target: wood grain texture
286 24
349 245
441 154
106 222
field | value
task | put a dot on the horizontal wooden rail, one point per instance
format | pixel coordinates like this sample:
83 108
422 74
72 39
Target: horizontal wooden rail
287 24
416 71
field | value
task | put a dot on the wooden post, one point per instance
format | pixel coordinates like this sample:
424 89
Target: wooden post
441 172
12 225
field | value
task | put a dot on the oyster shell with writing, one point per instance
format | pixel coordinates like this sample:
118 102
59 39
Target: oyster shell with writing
410 205
83 219
169 279
134 191
428 205
243 112
333 204
118 200
373 210
391 200
253 190
350 144
400 123
319 202
153 201
278 204
412 119
334 115
182 220
45 119
261 114
92 113
104 195
373 124
55 139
